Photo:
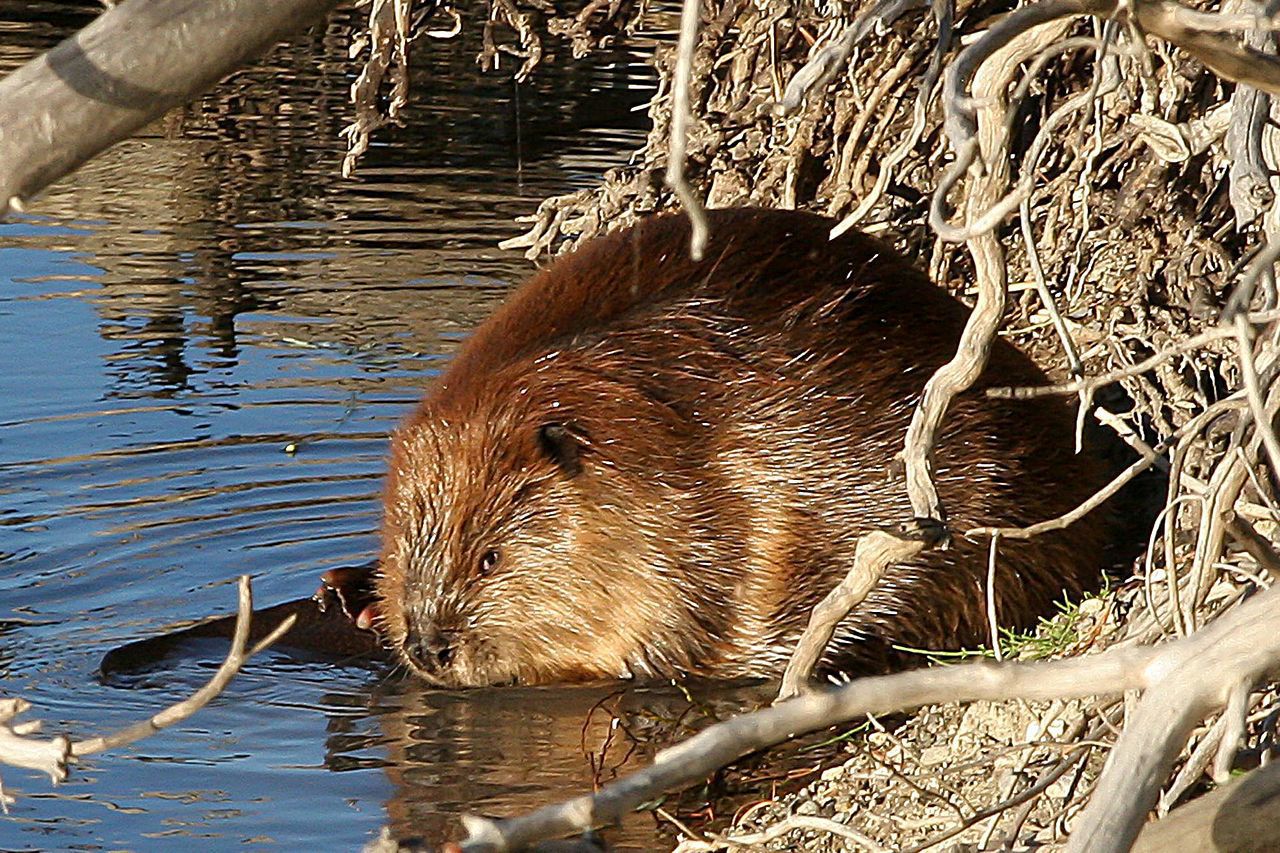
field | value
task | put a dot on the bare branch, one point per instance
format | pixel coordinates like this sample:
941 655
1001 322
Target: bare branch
680 115
1253 392
1183 690
127 68
1241 815
1092 383
875 552
1195 33
992 65
829 61
51 756
794 823
237 655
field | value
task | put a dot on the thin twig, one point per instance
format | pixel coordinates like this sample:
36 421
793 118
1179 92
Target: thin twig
827 62
1097 498
52 756
680 116
1195 342
1232 733
237 655
794 823
1253 391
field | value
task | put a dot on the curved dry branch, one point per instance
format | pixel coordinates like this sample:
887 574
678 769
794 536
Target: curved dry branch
875 552
388 44
960 107
52 756
237 655
795 823
991 63
1183 689
1200 34
826 63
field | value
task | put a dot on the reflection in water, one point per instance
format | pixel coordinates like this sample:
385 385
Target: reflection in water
507 752
171 319
232 208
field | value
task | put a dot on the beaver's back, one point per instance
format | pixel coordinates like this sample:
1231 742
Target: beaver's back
746 409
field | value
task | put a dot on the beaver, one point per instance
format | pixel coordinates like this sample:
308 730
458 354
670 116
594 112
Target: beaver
647 466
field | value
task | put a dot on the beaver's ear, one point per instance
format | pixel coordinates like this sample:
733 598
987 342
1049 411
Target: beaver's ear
561 447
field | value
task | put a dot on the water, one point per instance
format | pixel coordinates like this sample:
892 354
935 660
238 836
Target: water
175 315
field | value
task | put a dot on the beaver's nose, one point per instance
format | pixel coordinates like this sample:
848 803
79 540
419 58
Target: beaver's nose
431 650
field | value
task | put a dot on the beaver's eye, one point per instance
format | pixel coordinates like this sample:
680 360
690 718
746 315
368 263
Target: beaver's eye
488 562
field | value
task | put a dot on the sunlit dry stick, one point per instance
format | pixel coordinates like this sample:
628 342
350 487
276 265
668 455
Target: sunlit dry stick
1233 732
119 73
1102 495
680 115
826 63
1180 627
236 657
1184 689
1200 34
876 551
991 67
794 823
1253 392
1193 768
993 624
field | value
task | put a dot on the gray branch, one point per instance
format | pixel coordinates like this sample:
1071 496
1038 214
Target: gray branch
124 70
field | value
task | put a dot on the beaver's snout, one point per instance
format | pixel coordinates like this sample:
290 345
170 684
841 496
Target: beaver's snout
431 649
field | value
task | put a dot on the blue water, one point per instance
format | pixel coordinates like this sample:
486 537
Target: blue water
172 318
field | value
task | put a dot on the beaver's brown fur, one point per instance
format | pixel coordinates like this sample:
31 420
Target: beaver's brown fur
643 465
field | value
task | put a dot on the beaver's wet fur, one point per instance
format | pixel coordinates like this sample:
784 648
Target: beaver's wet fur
642 465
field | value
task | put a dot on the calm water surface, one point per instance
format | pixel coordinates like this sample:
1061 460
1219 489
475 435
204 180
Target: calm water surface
171 318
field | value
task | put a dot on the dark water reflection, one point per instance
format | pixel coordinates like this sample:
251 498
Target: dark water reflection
175 315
